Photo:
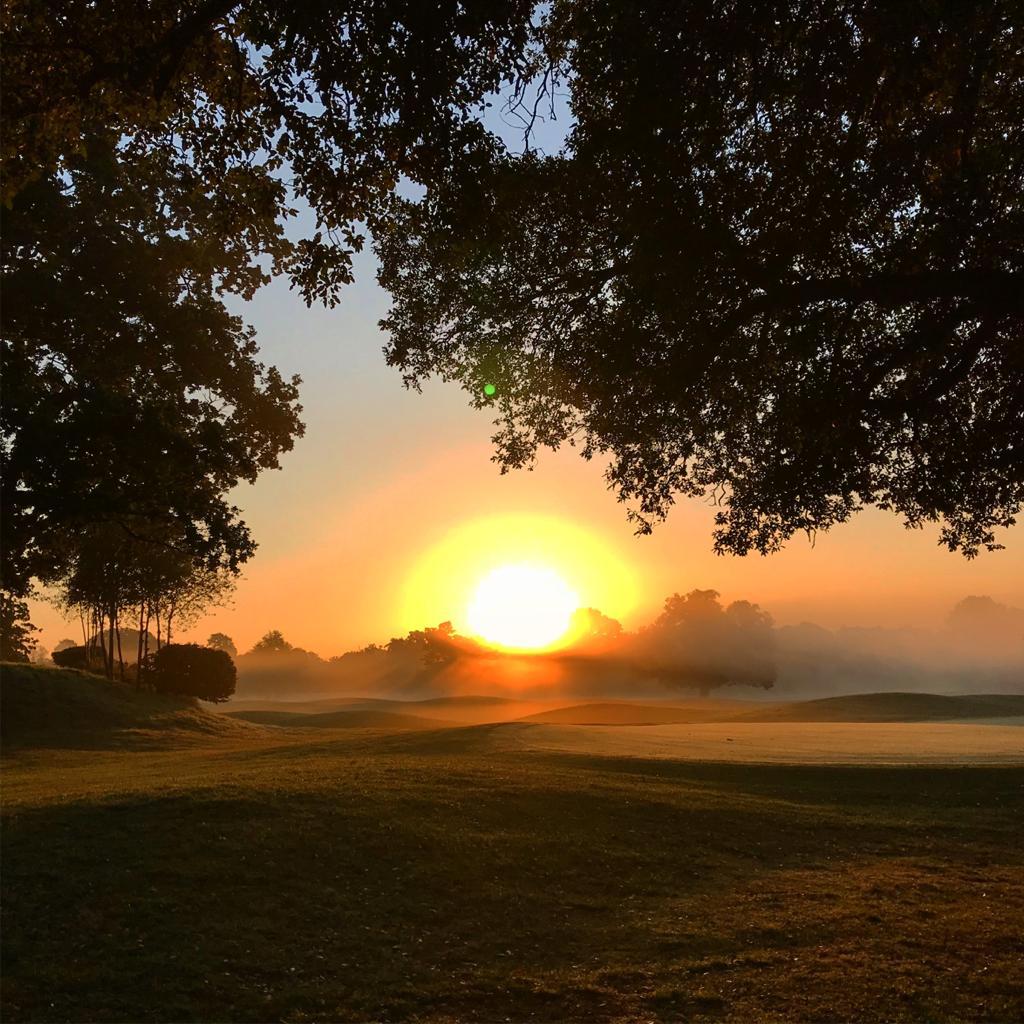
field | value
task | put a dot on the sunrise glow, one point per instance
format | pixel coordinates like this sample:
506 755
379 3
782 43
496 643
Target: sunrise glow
515 580
522 607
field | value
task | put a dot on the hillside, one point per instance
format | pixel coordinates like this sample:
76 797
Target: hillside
464 710
867 707
626 713
891 707
57 707
356 718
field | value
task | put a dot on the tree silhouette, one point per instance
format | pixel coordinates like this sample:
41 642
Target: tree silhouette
132 397
780 262
217 104
80 656
222 642
151 158
193 671
117 578
16 641
697 642
592 630
272 642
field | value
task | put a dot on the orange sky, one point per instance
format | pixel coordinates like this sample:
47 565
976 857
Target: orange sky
384 475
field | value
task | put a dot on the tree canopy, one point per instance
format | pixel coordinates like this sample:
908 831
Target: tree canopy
242 111
131 395
222 642
16 640
153 158
779 262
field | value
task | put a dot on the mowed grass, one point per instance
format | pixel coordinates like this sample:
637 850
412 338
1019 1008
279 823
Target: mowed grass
436 876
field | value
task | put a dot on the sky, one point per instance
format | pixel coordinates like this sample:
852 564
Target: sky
361 507
390 509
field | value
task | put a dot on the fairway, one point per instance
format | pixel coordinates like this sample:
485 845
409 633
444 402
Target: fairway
506 872
807 743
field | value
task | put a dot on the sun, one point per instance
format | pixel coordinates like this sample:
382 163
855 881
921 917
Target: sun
515 580
522 607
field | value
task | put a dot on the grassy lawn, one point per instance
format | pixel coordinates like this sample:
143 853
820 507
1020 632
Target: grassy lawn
428 876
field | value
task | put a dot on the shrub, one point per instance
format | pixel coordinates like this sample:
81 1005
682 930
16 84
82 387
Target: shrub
77 656
193 671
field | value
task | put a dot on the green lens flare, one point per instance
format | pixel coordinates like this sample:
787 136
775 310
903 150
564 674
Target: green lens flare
489 390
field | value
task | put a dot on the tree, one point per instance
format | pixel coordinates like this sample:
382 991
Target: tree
780 261
16 642
223 102
592 629
981 623
63 645
152 156
193 671
272 642
114 578
697 642
222 642
132 398
680 611
434 646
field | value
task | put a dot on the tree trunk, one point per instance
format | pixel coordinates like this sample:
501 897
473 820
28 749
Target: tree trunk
138 649
108 664
112 617
120 656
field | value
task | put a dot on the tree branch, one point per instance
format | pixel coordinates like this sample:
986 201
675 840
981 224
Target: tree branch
995 290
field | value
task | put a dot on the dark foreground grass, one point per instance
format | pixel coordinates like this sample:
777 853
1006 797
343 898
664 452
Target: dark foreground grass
422 878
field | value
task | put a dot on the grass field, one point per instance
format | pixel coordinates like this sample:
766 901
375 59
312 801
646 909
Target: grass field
468 873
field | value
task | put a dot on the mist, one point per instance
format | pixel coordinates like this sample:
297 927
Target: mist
696 647
977 648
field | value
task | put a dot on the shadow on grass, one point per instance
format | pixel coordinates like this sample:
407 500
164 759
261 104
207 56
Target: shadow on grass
548 887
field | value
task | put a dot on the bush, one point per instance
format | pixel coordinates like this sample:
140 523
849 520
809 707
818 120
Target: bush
76 656
193 671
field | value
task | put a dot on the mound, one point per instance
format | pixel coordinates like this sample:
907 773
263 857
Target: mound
471 700
891 707
864 707
442 711
355 719
629 714
55 707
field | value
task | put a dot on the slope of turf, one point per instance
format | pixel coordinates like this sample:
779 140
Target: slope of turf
463 709
357 718
891 707
355 876
628 713
55 707
867 707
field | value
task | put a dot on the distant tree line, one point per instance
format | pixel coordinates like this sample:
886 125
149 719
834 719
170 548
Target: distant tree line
695 643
